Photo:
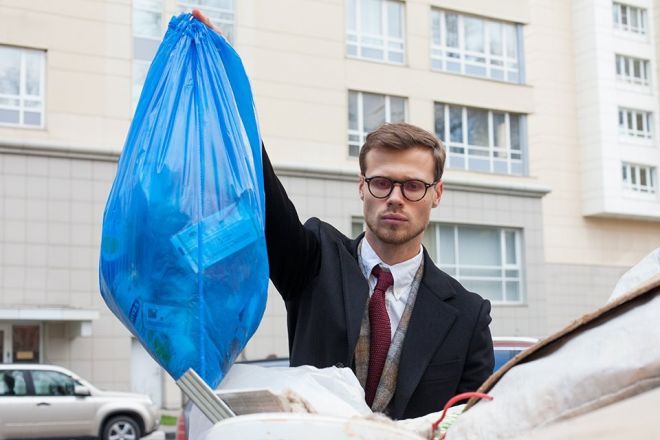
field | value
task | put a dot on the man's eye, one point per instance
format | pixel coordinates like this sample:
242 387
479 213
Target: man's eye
414 185
382 183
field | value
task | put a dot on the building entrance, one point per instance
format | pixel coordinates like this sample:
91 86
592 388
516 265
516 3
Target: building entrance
20 343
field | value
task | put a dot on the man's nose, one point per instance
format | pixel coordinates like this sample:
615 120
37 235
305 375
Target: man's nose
396 196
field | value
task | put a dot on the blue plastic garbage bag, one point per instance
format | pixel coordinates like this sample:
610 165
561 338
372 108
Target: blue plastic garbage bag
183 254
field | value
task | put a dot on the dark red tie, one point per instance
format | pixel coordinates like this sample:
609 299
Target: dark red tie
380 330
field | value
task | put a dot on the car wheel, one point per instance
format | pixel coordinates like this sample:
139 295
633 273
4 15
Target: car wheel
121 428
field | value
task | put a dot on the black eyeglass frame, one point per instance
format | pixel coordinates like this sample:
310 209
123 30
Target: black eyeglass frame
401 183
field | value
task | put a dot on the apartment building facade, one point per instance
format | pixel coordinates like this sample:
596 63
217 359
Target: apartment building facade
548 111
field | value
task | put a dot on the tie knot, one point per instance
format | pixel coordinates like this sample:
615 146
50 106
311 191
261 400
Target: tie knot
384 278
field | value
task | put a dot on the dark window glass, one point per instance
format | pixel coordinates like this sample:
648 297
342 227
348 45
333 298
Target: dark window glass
52 383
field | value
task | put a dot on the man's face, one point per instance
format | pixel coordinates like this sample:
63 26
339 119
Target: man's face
396 220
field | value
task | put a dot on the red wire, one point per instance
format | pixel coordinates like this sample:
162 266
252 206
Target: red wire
452 402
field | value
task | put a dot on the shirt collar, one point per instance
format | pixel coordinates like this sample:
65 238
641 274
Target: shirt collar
403 272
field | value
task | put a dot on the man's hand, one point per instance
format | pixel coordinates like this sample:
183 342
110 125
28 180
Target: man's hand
207 21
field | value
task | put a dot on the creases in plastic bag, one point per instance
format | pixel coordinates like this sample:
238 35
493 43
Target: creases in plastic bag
183 255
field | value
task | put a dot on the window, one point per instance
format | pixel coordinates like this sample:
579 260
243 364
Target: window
52 383
486 260
638 178
221 13
481 140
474 46
632 70
12 383
147 18
629 18
22 73
375 30
367 112
357 226
636 124
147 33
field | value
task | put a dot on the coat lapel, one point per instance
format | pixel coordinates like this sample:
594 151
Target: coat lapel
431 320
356 293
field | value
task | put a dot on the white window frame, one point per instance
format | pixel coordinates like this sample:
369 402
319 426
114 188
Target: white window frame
358 40
625 70
222 17
628 124
619 10
512 156
455 269
631 178
23 98
357 137
441 53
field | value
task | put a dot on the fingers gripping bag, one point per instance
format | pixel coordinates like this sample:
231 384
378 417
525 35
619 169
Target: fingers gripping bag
183 254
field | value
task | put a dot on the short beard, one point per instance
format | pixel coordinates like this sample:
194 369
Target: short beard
393 236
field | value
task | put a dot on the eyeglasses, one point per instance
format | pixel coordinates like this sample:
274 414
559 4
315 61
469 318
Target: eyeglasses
381 187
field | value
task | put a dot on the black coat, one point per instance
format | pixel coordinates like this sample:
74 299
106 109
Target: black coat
447 349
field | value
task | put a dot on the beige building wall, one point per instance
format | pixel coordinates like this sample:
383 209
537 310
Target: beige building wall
51 214
571 238
88 78
301 76
54 182
585 255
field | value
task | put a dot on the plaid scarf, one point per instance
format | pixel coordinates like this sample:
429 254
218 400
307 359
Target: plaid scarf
390 373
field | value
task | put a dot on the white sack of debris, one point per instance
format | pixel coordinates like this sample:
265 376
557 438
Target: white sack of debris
604 357
295 403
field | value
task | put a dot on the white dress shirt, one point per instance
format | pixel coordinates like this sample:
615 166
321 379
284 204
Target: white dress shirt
403 273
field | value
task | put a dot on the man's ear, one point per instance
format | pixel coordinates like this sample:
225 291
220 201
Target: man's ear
361 183
437 193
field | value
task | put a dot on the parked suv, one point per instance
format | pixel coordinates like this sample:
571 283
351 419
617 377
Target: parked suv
46 401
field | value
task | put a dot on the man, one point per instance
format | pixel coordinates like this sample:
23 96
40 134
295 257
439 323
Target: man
378 304
9 384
